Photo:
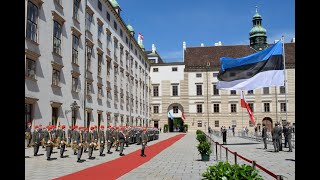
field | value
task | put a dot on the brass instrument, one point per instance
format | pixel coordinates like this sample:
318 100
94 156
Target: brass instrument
49 143
57 142
92 144
75 145
27 135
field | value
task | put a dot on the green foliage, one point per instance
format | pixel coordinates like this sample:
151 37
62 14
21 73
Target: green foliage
204 148
199 132
224 170
165 128
201 137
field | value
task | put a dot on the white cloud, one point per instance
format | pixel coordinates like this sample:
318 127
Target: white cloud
172 56
278 35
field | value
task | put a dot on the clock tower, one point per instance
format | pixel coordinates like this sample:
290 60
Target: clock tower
258 36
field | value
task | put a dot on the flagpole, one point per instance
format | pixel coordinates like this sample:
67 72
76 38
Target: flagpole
275 90
242 112
285 77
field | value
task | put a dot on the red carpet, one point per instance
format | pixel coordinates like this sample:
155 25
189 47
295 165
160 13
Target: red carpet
120 166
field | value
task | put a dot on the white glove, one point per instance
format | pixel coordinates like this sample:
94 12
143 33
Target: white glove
109 141
79 144
101 141
61 142
48 142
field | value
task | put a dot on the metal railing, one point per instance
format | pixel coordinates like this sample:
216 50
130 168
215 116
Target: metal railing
236 157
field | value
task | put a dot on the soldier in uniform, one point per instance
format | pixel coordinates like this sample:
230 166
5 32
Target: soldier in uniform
28 135
275 137
78 140
48 138
69 133
102 140
289 136
127 135
36 140
116 138
58 135
95 135
84 135
109 138
280 137
63 140
73 137
285 129
90 141
138 136
264 135
144 139
122 138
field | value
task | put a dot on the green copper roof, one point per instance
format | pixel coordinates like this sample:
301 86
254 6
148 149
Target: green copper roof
114 3
130 28
258 29
141 45
257 15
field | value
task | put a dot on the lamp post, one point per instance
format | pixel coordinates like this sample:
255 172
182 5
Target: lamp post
73 108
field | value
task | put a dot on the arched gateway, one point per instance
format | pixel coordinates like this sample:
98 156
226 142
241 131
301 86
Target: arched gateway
176 110
268 122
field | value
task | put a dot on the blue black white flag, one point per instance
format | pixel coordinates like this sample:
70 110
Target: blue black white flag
261 69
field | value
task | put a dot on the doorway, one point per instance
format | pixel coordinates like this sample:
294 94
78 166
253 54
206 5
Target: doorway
156 124
268 122
175 125
54 116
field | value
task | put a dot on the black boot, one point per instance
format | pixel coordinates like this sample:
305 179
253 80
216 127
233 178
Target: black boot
109 152
78 160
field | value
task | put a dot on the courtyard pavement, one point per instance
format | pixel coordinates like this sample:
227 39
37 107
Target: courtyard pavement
179 161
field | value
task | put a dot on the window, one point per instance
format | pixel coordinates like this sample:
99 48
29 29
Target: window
250 92
56 37
74 117
55 77
27 114
251 106
199 123
108 16
156 109
216 108
89 88
89 21
233 92
198 75
175 109
99 64
233 107
199 90
282 90
174 69
115 25
155 70
89 54
99 31
75 81
127 41
55 116
215 90
99 5
155 90
266 90
75 46
199 108
32 21
99 92
283 107
174 90
121 33
216 123
266 107
59 2
76 5
31 68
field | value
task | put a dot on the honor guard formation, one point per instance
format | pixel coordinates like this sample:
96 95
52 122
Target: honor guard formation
83 140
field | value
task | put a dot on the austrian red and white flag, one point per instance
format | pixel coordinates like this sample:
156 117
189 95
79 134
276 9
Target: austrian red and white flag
244 104
183 117
141 36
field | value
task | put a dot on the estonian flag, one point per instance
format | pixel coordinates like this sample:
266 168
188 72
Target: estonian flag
262 69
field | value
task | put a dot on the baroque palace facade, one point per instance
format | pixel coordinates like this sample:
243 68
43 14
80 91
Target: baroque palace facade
83 65
190 87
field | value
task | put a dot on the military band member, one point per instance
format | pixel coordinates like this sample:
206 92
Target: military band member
90 141
102 140
144 141
95 135
28 135
41 130
84 135
78 140
36 140
58 134
116 138
63 140
69 132
73 137
127 135
122 138
109 138
48 138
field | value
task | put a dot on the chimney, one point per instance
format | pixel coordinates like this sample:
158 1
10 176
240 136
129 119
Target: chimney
218 43
202 45
293 40
184 45
153 48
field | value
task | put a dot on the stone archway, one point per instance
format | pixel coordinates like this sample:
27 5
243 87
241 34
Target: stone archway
177 123
268 122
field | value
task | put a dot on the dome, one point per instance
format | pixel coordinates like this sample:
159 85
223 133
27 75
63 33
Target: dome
114 3
258 30
130 28
256 16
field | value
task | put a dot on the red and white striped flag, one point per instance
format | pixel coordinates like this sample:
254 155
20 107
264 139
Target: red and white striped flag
244 104
183 117
141 36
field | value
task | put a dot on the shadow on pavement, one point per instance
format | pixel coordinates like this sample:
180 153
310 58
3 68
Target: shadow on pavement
51 159
290 159
65 156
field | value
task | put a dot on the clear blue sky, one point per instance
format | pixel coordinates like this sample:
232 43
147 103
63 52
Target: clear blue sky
167 23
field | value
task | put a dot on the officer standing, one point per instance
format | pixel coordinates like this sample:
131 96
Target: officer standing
121 138
289 136
264 135
275 137
144 139
285 132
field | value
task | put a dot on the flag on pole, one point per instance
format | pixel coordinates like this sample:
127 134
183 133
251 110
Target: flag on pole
170 115
183 117
244 104
261 69
141 36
